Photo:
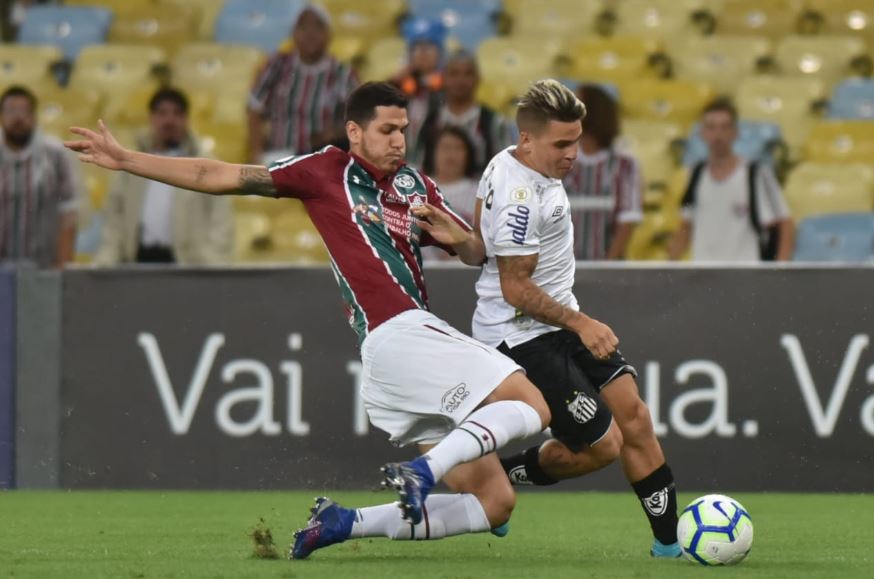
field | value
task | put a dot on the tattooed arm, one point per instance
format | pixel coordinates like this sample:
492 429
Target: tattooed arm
522 293
204 175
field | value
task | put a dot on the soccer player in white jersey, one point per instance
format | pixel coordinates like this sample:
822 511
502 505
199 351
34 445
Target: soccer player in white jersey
527 309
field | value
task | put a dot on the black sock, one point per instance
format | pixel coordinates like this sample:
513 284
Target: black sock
658 496
524 468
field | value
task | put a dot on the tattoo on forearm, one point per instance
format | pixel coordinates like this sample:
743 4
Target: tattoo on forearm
201 174
531 299
255 180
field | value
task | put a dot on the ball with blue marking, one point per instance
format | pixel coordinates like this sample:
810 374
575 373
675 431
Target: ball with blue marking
715 530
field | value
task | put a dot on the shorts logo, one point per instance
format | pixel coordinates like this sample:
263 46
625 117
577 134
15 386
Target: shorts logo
582 408
518 224
521 195
518 475
404 182
657 503
452 400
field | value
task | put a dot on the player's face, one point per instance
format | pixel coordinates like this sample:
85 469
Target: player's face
311 36
460 79
169 124
719 132
18 120
553 149
381 142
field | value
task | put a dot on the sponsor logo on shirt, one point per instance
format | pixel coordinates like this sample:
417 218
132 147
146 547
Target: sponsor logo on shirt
452 400
518 223
558 213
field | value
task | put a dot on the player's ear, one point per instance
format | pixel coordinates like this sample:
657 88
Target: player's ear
353 132
524 141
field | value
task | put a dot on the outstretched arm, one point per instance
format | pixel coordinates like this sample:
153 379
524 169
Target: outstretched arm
444 229
205 175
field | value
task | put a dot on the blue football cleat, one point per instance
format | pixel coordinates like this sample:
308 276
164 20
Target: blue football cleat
412 481
661 551
501 530
329 524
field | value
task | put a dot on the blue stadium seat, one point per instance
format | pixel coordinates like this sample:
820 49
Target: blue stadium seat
67 27
853 99
755 142
451 11
264 24
845 237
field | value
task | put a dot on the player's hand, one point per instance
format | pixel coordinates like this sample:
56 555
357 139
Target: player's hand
99 148
440 225
598 338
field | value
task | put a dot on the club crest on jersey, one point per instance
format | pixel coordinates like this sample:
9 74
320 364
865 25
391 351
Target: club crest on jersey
521 195
518 223
404 181
368 213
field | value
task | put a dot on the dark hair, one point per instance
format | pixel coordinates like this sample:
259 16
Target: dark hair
602 115
18 91
429 163
722 105
169 94
548 100
362 103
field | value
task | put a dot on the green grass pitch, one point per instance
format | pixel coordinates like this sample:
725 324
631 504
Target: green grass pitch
131 535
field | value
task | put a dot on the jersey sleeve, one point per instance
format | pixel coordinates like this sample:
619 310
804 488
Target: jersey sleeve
297 176
513 227
436 199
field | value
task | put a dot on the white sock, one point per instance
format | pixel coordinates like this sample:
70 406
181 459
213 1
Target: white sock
443 516
485 430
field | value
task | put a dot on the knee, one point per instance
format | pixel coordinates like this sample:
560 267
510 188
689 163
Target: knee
635 422
606 450
498 504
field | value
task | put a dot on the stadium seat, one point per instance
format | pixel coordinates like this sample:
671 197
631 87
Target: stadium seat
554 19
67 27
509 59
789 102
468 22
841 17
756 141
652 236
842 237
21 64
827 57
853 99
205 13
113 68
349 49
772 18
263 24
223 69
367 20
669 100
295 239
225 140
841 142
650 142
497 95
167 26
251 235
384 59
614 59
817 189
62 108
114 6
662 19
720 61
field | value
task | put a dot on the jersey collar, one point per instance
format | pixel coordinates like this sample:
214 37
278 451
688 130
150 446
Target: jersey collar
378 174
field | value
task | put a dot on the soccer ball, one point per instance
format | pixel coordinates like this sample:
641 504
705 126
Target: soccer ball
715 530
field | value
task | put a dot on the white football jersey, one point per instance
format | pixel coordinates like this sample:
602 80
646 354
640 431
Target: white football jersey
523 213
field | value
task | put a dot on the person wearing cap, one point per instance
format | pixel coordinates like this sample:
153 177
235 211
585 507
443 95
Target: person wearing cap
421 80
300 94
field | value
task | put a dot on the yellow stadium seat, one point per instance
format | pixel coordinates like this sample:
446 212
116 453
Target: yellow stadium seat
662 19
295 239
96 180
349 49
841 142
165 26
510 59
385 58
720 61
258 204
129 108
62 108
204 15
113 67
843 16
825 57
367 20
227 141
669 100
21 64
614 59
251 235
785 101
497 95
552 18
815 189
117 6
651 238
223 68
650 142
773 18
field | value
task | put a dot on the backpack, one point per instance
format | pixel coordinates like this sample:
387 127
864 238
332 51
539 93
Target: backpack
769 237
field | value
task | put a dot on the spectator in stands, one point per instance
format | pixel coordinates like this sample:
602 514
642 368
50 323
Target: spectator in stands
733 210
422 79
489 132
149 222
604 186
39 188
300 94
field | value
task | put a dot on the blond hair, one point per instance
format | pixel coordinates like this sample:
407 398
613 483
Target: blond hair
548 100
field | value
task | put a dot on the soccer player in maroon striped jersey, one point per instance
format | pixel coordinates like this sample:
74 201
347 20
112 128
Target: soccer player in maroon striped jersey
423 382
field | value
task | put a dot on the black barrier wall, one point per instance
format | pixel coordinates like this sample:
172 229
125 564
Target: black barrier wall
759 379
